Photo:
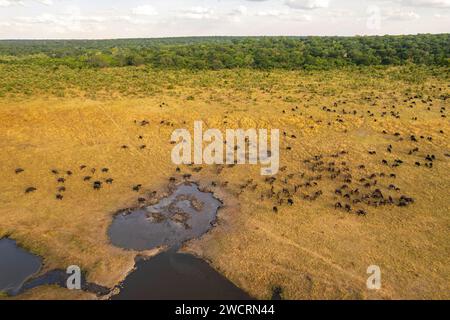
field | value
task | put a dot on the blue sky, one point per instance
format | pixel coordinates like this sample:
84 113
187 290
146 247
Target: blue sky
160 18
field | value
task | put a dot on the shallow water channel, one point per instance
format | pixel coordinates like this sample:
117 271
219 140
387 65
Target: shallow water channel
19 272
16 266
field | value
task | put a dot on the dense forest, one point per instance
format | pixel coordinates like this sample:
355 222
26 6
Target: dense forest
214 53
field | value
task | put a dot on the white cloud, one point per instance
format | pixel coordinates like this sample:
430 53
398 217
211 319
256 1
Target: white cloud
340 13
302 17
198 13
272 13
241 10
71 20
129 19
307 4
237 13
428 3
144 10
285 15
59 23
39 18
10 3
399 15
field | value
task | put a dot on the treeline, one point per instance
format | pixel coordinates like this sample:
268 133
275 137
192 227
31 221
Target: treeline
214 53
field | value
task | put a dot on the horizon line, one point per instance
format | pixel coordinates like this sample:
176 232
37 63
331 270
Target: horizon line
220 36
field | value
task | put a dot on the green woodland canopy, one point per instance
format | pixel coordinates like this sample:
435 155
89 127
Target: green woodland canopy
214 53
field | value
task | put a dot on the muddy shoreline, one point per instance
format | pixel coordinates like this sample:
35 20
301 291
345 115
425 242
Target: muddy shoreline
180 253
170 274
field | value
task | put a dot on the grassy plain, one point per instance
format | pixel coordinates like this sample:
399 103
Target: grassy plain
61 119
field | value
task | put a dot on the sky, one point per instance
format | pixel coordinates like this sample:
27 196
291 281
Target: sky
100 19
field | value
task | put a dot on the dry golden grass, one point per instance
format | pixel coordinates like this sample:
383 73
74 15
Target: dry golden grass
309 249
54 293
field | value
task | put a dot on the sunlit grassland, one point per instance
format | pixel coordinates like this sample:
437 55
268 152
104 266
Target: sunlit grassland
61 118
